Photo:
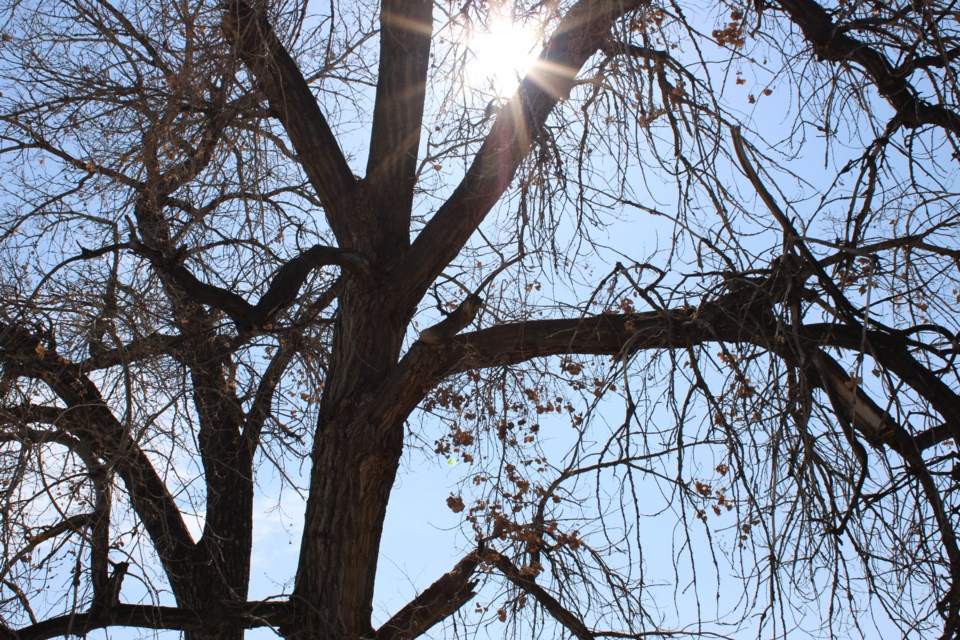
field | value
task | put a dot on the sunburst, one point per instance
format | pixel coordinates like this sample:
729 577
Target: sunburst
502 52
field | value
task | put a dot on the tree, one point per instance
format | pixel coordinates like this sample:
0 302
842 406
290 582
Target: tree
245 237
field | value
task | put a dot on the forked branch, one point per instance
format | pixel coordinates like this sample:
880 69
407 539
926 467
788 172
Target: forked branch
584 30
283 290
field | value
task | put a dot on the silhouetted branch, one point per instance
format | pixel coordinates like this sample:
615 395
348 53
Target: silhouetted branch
283 290
527 583
437 602
461 317
291 100
249 615
830 42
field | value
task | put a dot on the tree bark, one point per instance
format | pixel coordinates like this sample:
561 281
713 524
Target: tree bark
356 453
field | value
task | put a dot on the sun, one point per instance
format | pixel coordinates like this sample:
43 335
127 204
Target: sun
501 55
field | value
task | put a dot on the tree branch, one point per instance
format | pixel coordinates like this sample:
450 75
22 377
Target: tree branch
88 418
607 334
248 615
283 290
617 335
437 602
286 283
462 316
737 316
138 349
892 354
71 524
280 80
792 236
406 27
831 43
529 585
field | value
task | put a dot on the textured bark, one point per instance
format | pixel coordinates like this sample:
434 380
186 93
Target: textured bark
356 453
437 602
405 36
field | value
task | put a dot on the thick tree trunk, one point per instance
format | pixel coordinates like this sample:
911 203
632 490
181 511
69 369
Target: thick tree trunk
355 457
354 472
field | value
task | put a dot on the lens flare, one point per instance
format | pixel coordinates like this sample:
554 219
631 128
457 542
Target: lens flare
502 53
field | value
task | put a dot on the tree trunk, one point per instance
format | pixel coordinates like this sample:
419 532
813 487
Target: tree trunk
355 458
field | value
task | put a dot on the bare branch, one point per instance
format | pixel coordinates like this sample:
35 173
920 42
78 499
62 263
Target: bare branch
249 615
283 290
830 42
437 602
528 584
291 100
88 418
